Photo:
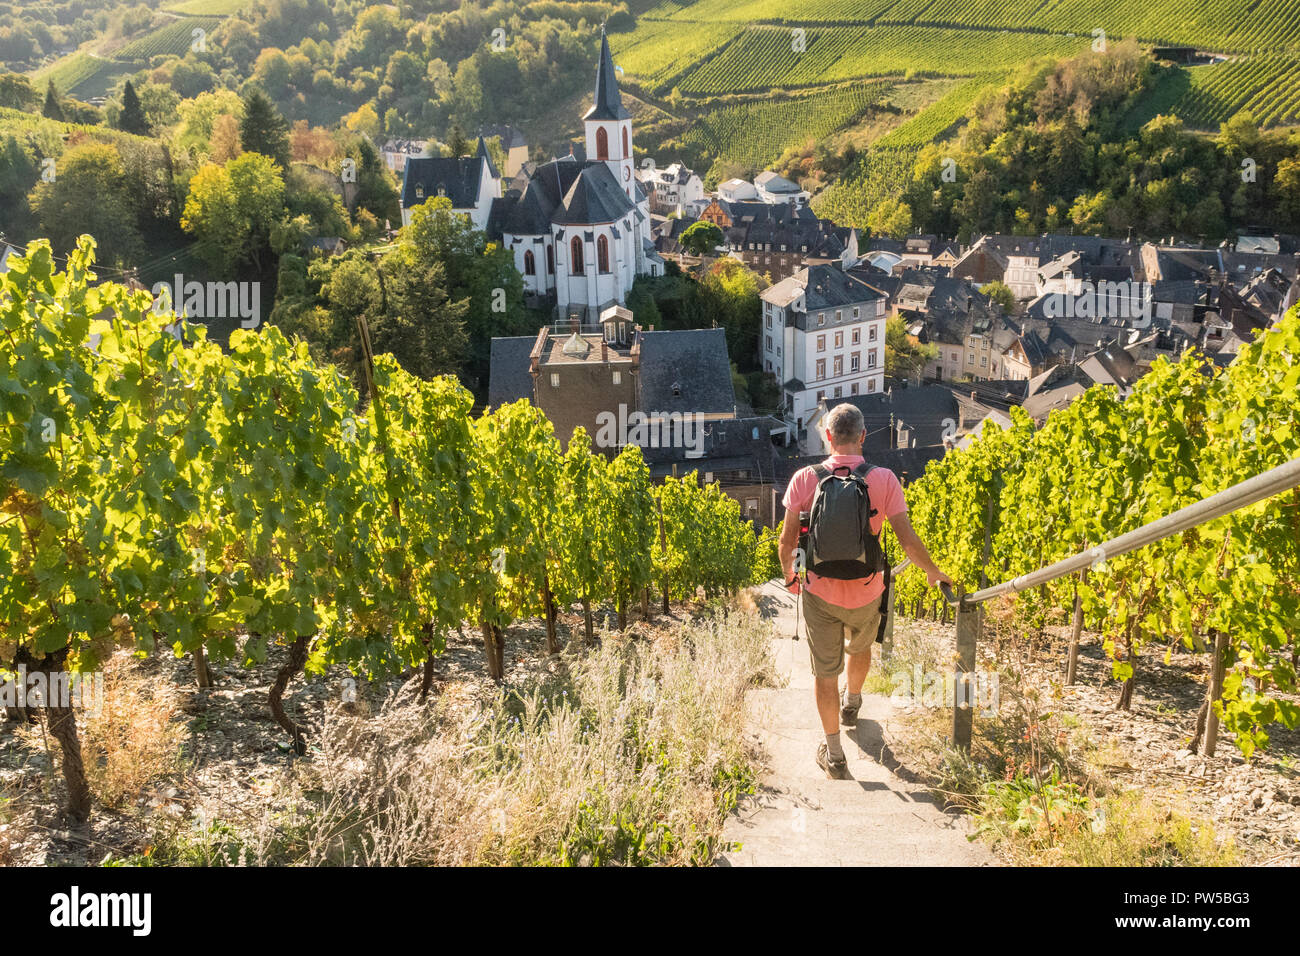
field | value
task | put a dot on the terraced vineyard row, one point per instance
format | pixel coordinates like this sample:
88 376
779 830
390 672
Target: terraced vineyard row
208 8
1230 25
768 57
661 50
174 38
934 122
881 174
1267 87
754 134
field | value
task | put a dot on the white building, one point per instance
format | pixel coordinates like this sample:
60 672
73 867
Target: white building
672 188
737 190
580 229
470 182
823 337
774 189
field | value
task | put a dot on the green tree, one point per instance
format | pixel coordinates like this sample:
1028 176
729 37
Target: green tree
701 238
91 195
1000 293
263 130
52 109
131 117
904 357
231 210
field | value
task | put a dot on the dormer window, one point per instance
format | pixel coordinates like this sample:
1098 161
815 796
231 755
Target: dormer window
419 191
442 189
677 390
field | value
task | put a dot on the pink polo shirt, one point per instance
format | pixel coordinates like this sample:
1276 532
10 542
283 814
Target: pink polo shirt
887 500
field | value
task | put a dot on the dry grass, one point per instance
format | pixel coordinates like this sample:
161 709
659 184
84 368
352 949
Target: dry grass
633 753
135 740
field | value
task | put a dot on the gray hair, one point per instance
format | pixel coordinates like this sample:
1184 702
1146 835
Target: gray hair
845 423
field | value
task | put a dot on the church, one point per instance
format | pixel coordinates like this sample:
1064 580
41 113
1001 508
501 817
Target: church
579 229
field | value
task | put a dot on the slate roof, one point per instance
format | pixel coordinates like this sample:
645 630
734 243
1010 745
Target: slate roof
457 177
594 197
823 287
509 378
608 103
695 362
563 191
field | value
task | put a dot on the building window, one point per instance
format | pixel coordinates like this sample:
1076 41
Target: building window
839 391
769 320
821 318
602 143
984 361
839 340
871 385
956 357
555 380
871 358
839 316
853 388
821 369
970 358
871 334
821 397
575 256
627 148
419 191
530 264
821 343
855 337
618 378
855 311
855 362
550 260
838 366
602 253
769 343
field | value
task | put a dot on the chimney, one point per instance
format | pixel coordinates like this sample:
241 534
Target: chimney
972 396
604 351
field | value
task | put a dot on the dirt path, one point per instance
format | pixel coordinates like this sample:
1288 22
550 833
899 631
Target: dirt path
800 818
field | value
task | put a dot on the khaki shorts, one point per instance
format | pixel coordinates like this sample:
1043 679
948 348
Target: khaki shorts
828 625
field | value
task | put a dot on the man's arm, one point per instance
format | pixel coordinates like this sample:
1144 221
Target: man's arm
787 544
914 548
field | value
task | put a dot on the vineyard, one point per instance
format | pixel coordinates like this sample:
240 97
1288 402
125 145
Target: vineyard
159 492
1228 25
753 134
1019 499
207 8
878 175
175 38
772 57
936 122
1267 87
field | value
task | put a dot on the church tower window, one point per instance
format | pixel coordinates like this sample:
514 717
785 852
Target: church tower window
602 143
627 151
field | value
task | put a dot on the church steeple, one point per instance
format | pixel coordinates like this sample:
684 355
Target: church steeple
608 104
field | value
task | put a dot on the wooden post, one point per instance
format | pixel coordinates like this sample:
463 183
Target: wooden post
1216 690
887 645
201 673
1072 664
968 631
663 541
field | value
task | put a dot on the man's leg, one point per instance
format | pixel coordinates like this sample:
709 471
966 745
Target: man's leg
859 665
826 653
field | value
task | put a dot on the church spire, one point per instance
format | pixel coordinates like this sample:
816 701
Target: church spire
609 102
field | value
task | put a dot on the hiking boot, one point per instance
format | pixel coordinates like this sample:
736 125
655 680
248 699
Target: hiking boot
849 712
835 769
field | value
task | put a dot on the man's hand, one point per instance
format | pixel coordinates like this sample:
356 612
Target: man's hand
793 585
937 577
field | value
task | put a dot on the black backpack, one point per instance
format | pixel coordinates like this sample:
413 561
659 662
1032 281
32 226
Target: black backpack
836 539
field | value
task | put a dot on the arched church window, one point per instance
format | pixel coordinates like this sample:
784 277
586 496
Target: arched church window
627 150
575 256
602 254
530 264
550 260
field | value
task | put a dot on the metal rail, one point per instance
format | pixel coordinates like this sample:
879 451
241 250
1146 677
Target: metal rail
1252 490
969 613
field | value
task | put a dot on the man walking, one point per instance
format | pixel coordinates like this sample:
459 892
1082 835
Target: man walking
836 608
